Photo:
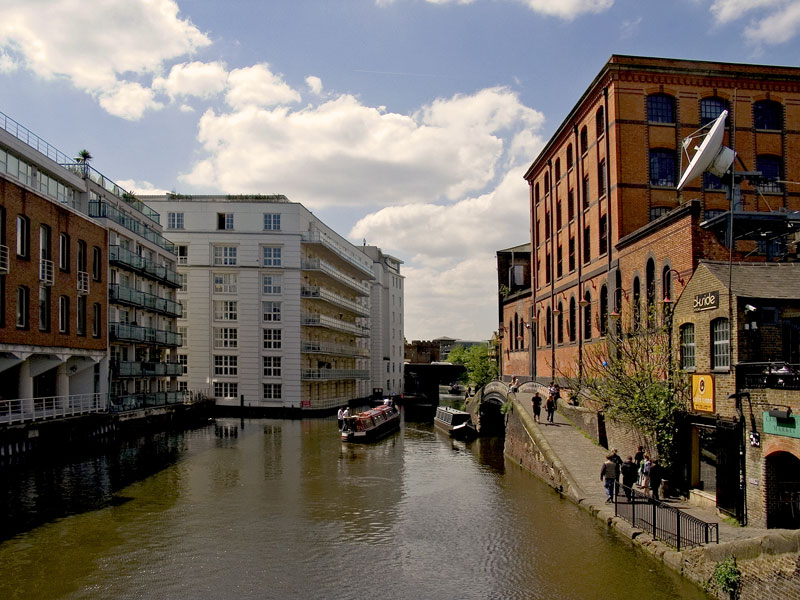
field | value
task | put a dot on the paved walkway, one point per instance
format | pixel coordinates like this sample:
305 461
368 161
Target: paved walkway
583 459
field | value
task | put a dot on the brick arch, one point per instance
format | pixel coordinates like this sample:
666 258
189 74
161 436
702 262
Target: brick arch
774 444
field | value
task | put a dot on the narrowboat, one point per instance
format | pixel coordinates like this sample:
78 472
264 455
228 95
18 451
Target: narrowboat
457 423
371 425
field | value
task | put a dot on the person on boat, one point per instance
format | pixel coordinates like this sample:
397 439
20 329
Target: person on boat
536 403
339 414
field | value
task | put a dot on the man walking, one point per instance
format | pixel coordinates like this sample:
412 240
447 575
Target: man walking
630 473
608 475
536 403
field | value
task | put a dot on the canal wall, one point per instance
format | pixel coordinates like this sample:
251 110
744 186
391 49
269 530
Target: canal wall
769 564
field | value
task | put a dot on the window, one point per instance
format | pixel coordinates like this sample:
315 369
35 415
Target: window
272 366
658 211
80 329
547 268
547 231
23 237
183 386
44 308
558 170
82 256
559 261
225 256
573 317
182 251
768 114
586 192
272 221
225 364
226 337
272 391
546 183
711 213
687 346
174 220
569 156
224 220
666 283
603 310
603 234
271 311
587 316
560 324
183 360
225 283
650 291
225 310
637 303
63 314
720 335
571 254
184 279
712 182
184 333
226 389
571 205
601 178
770 167
97 323
558 215
271 256
63 252
662 167
600 122
660 108
584 140
587 244
271 284
272 339
710 109
23 307
548 327
97 264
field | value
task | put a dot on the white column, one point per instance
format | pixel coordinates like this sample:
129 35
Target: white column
25 387
62 386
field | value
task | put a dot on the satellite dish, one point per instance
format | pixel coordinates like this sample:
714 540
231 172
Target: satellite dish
711 155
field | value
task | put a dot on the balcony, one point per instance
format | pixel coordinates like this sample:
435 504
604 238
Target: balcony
125 402
333 323
101 209
146 369
4 259
125 332
768 375
123 257
83 283
362 264
309 347
333 374
46 271
21 410
316 292
320 266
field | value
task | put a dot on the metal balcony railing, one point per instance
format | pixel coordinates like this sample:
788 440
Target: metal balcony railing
311 347
122 256
362 263
125 402
768 375
333 323
104 210
148 335
146 369
4 266
331 374
46 271
20 410
314 291
315 264
83 283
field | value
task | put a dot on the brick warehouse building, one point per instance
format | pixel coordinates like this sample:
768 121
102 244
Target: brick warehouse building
603 192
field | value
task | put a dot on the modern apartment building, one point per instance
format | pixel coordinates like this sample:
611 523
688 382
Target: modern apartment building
387 337
276 304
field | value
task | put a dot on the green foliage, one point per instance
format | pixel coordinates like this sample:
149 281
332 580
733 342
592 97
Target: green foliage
480 368
728 576
503 290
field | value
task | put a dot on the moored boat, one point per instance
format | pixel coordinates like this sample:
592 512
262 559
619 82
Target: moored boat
371 425
456 423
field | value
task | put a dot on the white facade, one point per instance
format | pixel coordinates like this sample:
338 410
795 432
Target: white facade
276 304
387 342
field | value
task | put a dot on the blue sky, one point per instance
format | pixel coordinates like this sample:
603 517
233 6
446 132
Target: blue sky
408 123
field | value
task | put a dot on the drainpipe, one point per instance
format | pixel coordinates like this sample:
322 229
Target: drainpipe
579 243
550 240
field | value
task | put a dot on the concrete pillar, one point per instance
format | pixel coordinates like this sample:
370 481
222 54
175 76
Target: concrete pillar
25 387
62 386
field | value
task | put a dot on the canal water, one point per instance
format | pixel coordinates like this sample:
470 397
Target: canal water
285 510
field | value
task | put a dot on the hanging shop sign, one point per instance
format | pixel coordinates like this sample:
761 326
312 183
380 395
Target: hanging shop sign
707 301
703 393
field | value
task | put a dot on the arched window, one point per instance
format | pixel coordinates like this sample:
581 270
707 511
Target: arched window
721 337
584 140
573 318
536 193
560 324
650 280
666 284
662 167
710 109
546 183
558 169
687 346
548 327
637 303
660 108
618 293
658 211
587 315
516 332
603 310
600 122
770 167
768 114
569 156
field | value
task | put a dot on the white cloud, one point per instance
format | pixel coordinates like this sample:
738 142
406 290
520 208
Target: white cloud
98 46
129 101
725 11
630 27
141 187
564 9
202 80
771 21
314 84
258 86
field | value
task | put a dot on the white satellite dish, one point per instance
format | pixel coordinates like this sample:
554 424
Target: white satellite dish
711 155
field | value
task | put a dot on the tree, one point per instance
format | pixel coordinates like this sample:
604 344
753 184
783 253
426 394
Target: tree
83 158
480 369
636 379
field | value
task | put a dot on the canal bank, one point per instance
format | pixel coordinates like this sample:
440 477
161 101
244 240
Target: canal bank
569 461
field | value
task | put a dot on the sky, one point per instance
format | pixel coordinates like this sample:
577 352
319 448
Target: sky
405 123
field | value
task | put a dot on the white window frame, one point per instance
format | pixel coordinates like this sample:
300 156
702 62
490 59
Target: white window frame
271 284
272 221
226 365
271 366
226 310
273 391
271 256
225 256
183 361
271 311
225 283
272 339
226 389
226 337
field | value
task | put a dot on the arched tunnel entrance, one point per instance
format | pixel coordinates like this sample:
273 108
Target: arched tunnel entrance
783 490
491 418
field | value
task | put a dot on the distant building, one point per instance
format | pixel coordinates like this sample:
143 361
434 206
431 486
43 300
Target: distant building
437 350
514 302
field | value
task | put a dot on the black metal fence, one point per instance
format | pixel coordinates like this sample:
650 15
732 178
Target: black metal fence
664 522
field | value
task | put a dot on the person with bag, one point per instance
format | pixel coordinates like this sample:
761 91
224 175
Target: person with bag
608 475
644 473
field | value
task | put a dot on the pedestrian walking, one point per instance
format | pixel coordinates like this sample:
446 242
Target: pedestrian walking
536 403
608 475
617 461
638 458
550 408
514 384
656 477
630 473
644 473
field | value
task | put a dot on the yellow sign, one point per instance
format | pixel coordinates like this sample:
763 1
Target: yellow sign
703 393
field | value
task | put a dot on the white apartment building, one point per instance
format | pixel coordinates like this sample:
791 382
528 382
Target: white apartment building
387 333
276 304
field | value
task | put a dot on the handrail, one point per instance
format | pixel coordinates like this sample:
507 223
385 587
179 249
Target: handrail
31 139
315 291
20 410
365 265
316 264
105 210
329 374
313 347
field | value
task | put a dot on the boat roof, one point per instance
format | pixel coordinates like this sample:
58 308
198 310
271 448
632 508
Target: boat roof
452 410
